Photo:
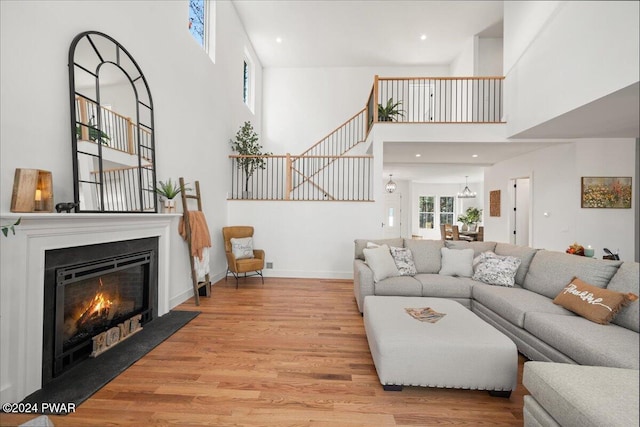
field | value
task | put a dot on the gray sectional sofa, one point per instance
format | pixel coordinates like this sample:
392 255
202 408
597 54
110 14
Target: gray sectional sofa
542 330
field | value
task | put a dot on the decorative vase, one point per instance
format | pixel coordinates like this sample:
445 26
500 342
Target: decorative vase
464 227
169 206
472 227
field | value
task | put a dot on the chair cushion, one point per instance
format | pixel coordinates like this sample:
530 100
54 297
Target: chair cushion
513 304
551 271
627 279
426 254
249 264
586 342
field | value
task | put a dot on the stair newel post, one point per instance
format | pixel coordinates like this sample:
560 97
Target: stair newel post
289 169
375 99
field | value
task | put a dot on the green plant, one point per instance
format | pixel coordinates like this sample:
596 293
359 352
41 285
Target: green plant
6 228
169 189
246 144
95 134
471 216
387 113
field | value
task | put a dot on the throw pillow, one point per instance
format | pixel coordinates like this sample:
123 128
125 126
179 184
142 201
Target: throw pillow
242 248
593 303
381 262
457 262
495 269
403 259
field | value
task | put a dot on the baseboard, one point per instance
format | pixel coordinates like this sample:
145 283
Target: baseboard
303 274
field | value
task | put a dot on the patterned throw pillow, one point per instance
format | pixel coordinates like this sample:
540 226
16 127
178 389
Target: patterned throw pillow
404 261
593 303
242 248
495 269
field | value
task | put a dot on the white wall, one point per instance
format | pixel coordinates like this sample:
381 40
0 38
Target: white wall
465 63
198 104
490 55
555 174
559 57
303 105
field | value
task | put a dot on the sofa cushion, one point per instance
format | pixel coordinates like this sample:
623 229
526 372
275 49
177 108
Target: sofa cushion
381 262
585 396
478 247
593 303
404 261
550 272
439 286
457 262
399 286
495 269
514 304
426 254
525 254
586 342
627 279
360 244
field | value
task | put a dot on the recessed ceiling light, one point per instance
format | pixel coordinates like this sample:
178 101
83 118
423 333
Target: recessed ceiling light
423 37
474 155
278 39
418 155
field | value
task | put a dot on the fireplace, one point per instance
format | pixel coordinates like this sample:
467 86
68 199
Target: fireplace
92 291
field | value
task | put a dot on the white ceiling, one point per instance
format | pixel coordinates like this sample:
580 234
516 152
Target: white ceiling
332 33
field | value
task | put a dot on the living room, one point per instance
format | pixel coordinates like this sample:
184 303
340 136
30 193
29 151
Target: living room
198 109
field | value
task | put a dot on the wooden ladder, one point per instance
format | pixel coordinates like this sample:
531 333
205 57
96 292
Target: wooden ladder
187 227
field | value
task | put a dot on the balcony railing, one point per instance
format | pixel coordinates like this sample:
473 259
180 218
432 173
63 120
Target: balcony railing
310 178
121 190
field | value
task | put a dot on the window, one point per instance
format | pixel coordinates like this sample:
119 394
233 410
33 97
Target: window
248 81
446 209
426 211
198 21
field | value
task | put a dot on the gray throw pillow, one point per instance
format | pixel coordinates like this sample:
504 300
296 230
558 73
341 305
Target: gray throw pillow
457 262
381 262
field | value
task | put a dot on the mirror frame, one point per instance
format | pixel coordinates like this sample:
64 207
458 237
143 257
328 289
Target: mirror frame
145 197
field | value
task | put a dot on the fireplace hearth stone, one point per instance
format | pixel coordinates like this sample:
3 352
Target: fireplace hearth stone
80 382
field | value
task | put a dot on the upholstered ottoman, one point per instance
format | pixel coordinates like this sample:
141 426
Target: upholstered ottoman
458 351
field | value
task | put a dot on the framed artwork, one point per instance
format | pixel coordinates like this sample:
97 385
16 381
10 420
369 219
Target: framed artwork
494 203
605 192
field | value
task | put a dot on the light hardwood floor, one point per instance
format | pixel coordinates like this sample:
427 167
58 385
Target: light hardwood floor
291 352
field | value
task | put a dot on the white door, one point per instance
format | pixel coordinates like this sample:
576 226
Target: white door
391 217
521 212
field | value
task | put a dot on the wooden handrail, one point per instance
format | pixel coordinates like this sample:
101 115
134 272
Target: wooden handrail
441 78
333 131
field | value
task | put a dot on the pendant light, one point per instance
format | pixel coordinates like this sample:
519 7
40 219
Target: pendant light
466 193
391 186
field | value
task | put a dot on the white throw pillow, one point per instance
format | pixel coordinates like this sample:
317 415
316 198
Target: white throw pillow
381 262
496 269
457 262
242 248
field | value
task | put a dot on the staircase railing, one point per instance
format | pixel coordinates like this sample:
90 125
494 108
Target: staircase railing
325 172
311 178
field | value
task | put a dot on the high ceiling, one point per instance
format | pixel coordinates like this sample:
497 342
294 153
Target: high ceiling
332 33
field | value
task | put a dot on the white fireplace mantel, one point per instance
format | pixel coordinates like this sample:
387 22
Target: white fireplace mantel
22 280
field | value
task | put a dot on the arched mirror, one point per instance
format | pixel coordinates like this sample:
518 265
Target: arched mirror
112 128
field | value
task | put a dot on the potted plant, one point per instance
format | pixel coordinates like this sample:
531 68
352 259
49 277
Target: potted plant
389 112
95 134
10 227
471 218
246 144
168 191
